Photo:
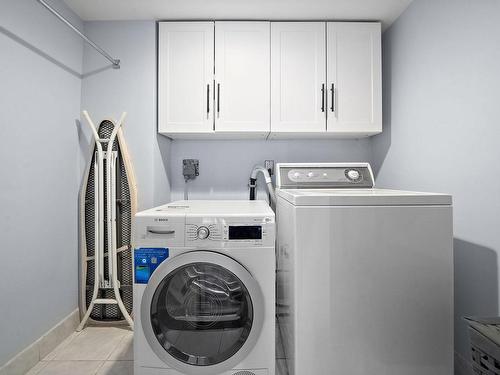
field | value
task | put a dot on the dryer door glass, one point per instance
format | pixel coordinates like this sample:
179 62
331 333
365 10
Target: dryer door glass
201 313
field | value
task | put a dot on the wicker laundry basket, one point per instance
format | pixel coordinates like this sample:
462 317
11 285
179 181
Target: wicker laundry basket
485 345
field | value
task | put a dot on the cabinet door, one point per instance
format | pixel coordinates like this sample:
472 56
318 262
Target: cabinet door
185 77
298 71
354 78
242 77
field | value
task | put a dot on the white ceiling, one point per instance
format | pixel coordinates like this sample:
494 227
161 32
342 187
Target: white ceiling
374 10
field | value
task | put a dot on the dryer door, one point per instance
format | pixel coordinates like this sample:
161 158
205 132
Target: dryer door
202 312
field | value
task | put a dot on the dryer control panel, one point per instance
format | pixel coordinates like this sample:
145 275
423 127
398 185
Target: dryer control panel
324 175
234 232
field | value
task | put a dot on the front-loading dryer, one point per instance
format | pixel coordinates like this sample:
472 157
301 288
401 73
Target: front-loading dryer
204 282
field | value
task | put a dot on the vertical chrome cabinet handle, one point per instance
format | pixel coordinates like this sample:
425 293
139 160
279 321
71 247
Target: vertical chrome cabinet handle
218 99
323 97
333 97
208 100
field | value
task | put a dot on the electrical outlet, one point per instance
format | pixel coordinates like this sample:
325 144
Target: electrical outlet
269 165
190 168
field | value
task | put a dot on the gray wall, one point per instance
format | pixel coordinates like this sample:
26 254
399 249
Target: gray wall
441 132
225 166
40 65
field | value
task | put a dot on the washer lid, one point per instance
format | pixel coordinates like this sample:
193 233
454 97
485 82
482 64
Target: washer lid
362 197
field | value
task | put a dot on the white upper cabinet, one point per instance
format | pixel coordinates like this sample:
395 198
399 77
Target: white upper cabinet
298 77
242 77
354 78
185 77
239 79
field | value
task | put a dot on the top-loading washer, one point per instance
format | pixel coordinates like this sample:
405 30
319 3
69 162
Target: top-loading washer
205 289
365 275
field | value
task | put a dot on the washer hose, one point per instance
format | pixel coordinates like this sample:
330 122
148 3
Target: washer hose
269 182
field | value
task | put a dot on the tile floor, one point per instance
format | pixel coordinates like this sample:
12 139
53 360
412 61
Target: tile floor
105 351
95 350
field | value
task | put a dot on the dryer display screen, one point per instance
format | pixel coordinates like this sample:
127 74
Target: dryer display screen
245 232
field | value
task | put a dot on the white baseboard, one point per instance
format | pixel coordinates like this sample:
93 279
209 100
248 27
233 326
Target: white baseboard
34 353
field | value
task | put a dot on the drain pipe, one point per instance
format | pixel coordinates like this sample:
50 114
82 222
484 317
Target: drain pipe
269 183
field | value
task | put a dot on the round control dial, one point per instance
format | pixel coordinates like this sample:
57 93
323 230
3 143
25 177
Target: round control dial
203 233
353 175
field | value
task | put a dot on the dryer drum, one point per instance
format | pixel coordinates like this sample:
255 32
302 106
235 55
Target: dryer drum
201 313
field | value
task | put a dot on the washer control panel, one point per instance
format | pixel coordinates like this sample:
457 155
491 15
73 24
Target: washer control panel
324 175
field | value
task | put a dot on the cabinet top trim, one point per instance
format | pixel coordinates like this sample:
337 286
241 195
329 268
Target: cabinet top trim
267 20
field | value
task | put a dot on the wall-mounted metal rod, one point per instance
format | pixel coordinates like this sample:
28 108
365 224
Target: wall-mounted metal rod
115 62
